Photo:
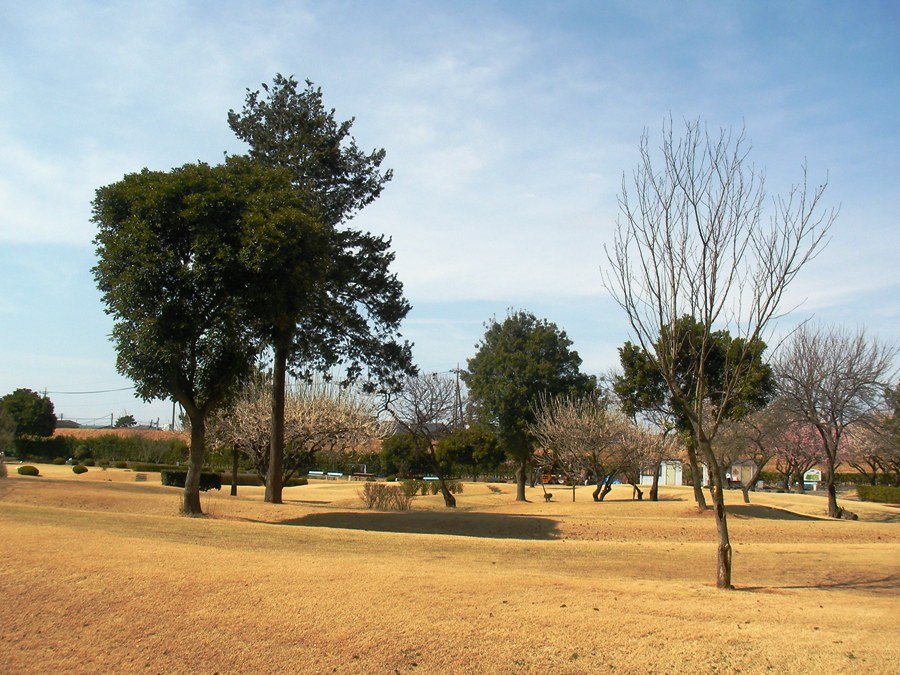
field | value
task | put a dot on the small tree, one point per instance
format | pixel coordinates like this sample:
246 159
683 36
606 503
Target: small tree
319 417
518 361
761 434
31 413
424 408
586 439
692 240
834 379
125 422
797 451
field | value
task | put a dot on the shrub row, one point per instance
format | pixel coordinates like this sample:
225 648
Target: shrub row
208 480
106 446
424 487
879 493
385 497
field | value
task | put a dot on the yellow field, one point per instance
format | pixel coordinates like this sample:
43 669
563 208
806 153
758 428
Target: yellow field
101 574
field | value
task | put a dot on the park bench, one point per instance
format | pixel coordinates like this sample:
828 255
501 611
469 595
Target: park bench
316 474
334 475
140 477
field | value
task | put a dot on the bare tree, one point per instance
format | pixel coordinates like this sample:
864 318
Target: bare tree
425 407
692 241
318 416
797 451
760 434
585 438
834 379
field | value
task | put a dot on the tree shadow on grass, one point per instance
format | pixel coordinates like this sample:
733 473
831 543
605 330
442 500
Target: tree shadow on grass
890 582
459 523
766 512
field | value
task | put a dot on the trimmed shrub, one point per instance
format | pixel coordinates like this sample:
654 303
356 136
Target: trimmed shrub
208 480
59 461
147 466
46 449
88 462
121 464
79 468
294 482
455 487
28 470
883 494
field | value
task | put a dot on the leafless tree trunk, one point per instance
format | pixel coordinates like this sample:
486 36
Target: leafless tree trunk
834 379
692 241
425 408
274 476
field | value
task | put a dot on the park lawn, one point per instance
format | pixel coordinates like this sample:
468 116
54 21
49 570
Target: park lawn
102 574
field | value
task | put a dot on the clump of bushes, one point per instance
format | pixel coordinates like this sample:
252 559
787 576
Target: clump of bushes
385 497
879 493
121 464
58 461
425 487
28 470
79 469
89 462
208 479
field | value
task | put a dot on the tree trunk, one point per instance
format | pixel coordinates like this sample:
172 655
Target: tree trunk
596 493
190 504
752 484
276 447
834 511
801 488
697 475
234 472
654 488
604 487
636 491
520 480
724 552
449 499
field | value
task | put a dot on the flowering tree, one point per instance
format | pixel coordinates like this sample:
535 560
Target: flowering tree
319 416
798 450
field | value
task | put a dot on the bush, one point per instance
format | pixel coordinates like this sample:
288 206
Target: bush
879 493
455 487
294 482
390 479
28 470
121 464
58 461
79 468
46 449
385 497
88 462
149 466
208 480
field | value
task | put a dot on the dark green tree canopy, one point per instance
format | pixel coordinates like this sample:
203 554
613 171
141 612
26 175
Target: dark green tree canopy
31 413
641 387
125 422
476 446
519 360
178 265
294 130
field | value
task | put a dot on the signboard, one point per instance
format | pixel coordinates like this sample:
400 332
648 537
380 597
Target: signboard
812 476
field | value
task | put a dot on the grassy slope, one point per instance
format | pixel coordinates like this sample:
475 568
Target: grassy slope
101 574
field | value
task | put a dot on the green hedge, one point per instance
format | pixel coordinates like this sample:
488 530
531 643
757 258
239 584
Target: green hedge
879 493
78 468
208 480
28 470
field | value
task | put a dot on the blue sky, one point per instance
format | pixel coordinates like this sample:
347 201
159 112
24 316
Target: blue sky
509 126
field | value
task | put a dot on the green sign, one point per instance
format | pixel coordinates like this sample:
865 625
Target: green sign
812 476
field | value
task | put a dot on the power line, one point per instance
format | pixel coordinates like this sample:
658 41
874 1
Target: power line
99 391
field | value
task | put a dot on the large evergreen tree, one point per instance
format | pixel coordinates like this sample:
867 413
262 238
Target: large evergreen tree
349 313
31 413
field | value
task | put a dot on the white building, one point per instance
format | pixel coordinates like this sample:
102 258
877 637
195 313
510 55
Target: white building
669 474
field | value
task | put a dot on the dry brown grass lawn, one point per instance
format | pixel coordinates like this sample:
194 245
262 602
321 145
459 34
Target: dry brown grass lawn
101 574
